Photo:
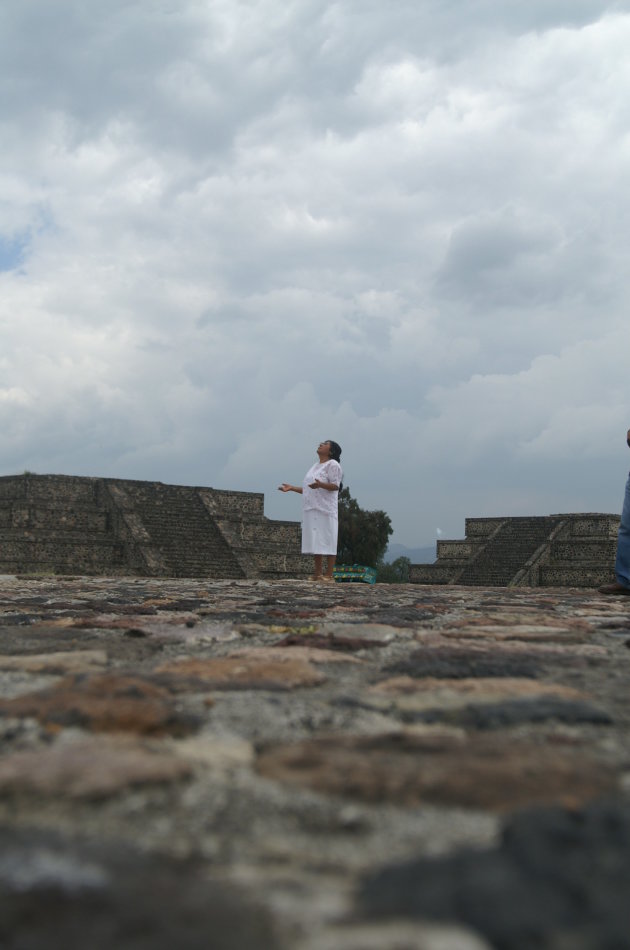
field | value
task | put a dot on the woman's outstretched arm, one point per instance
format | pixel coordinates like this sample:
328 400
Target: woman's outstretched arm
329 486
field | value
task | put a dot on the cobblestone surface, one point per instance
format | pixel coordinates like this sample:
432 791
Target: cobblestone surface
291 765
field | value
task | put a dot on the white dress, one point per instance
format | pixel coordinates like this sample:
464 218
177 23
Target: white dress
319 509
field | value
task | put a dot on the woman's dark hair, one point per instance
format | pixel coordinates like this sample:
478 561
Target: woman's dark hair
335 450
335 453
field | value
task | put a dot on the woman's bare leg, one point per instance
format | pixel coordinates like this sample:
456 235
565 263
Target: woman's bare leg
317 573
329 567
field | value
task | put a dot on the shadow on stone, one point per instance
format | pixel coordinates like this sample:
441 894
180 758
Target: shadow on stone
512 713
58 895
558 881
455 663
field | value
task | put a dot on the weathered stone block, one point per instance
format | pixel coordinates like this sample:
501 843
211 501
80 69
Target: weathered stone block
562 550
66 524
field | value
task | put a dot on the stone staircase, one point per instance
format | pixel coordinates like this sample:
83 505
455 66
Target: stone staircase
265 548
550 551
181 531
507 552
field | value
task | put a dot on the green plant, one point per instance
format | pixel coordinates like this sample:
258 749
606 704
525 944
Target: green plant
363 535
395 573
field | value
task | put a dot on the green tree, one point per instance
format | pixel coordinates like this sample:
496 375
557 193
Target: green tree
363 535
395 573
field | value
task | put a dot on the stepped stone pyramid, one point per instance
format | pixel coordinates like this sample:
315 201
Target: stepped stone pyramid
567 550
72 525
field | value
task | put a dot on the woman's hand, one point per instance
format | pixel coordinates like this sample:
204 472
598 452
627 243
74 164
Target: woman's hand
286 487
315 484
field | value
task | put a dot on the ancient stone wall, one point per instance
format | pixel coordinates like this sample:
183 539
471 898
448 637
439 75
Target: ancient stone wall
68 524
567 550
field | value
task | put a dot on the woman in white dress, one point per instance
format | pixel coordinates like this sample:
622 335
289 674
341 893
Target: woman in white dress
320 494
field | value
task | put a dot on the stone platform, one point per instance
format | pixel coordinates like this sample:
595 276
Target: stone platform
567 550
280 765
68 524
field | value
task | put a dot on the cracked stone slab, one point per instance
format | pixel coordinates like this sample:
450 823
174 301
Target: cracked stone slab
69 661
430 692
483 703
189 630
243 672
104 703
455 662
221 753
57 894
483 714
378 633
510 713
338 644
443 696
295 651
558 879
527 632
509 648
407 768
88 769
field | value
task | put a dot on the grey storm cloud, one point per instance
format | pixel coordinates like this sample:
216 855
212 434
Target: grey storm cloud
230 228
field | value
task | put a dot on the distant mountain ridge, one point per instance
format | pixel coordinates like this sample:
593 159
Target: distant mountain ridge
425 555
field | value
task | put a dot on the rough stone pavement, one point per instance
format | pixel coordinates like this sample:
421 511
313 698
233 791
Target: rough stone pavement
291 766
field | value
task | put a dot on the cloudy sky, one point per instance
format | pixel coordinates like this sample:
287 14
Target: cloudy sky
232 228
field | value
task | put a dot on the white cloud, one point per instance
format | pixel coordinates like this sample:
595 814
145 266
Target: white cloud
232 229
